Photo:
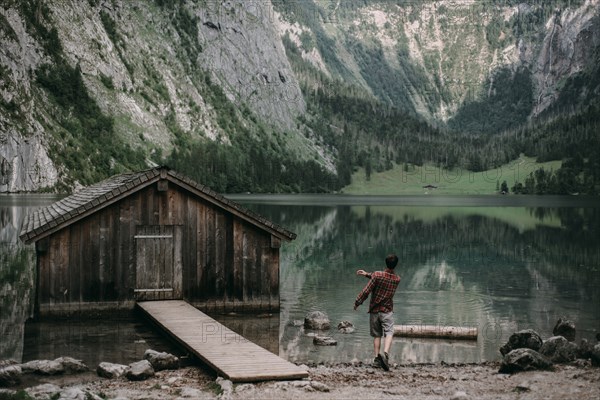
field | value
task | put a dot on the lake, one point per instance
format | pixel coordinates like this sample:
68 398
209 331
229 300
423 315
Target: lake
498 263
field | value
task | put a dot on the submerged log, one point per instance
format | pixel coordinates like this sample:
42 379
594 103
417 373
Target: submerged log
436 332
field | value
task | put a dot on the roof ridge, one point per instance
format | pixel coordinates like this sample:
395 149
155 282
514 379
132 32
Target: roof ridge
95 196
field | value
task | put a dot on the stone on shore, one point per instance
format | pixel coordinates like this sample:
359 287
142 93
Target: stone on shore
226 387
317 320
110 370
324 341
565 328
345 327
140 371
559 350
161 361
524 360
525 339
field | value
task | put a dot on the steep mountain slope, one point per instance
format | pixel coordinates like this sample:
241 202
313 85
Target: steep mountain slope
89 88
289 95
480 66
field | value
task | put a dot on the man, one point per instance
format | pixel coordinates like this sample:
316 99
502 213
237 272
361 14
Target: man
382 286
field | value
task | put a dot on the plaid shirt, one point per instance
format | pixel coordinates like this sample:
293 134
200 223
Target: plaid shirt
383 285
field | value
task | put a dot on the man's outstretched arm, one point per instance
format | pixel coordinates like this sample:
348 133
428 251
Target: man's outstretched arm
364 293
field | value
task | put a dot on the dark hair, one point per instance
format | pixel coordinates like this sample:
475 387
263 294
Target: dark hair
391 261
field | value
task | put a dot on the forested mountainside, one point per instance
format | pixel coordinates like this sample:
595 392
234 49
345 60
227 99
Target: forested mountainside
293 95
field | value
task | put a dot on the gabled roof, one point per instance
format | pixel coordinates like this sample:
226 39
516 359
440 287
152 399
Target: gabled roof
47 220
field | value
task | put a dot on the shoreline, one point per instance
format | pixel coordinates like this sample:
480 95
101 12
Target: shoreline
342 381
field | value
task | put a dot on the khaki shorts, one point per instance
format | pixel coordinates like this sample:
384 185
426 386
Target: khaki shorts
381 324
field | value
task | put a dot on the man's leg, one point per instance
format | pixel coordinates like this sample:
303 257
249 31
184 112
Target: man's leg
387 343
376 345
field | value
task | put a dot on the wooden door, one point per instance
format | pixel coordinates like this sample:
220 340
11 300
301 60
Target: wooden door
158 262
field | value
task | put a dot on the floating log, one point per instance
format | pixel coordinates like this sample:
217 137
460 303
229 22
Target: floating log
436 332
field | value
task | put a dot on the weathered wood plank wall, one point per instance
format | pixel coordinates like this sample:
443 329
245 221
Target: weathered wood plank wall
225 263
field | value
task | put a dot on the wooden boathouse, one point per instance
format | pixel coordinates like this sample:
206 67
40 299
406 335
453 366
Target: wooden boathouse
153 235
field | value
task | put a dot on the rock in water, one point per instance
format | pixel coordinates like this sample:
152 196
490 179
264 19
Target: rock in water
565 328
324 341
110 370
524 360
161 361
559 350
71 365
43 367
345 327
526 339
140 371
585 349
317 320
10 375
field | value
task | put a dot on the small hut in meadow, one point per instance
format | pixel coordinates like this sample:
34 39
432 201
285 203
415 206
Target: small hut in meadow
153 235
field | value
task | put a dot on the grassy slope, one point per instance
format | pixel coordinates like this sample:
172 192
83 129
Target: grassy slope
459 182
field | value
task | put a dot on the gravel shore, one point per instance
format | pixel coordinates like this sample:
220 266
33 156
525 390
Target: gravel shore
340 381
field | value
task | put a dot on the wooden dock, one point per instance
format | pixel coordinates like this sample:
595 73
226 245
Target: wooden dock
228 353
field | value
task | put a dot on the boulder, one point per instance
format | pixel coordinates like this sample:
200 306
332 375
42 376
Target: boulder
43 367
595 355
140 371
565 328
110 370
161 361
71 365
324 341
345 327
559 350
524 360
317 320
526 339
10 375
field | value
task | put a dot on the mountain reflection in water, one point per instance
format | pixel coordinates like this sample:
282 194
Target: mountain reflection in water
500 264
500 269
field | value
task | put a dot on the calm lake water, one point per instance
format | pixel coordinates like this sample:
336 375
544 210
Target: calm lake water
496 263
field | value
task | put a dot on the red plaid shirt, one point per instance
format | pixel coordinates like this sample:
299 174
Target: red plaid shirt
383 285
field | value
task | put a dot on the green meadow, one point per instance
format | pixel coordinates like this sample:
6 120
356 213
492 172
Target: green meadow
409 179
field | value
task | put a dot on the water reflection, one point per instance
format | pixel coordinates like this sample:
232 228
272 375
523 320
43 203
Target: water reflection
474 264
120 341
497 268
16 272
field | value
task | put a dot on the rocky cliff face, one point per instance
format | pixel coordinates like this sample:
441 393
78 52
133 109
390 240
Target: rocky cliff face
147 65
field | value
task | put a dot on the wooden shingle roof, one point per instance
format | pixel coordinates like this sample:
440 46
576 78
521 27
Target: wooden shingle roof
44 221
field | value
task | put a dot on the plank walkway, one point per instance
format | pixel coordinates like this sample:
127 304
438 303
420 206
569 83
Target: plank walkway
230 354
